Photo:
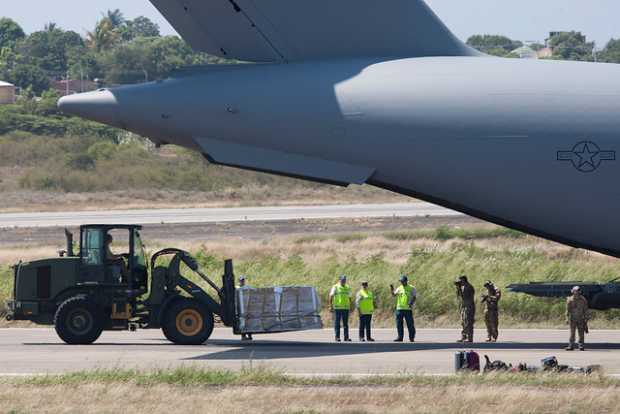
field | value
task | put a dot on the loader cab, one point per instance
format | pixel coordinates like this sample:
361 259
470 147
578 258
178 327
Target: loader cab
119 262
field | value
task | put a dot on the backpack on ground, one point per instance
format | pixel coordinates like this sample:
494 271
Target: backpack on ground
466 361
495 365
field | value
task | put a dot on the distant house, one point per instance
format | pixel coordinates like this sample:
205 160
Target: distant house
525 52
73 86
7 93
545 53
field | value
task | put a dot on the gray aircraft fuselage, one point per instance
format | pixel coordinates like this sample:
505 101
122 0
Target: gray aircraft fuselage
527 144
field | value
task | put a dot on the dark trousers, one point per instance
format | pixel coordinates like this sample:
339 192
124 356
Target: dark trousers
341 315
407 315
365 321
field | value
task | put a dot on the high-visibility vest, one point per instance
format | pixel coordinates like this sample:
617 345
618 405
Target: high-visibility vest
342 297
366 302
403 295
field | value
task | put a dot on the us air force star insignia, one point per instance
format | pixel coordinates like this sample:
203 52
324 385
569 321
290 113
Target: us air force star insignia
586 156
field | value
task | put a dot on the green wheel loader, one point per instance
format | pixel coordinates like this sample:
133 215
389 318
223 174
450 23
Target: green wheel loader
85 293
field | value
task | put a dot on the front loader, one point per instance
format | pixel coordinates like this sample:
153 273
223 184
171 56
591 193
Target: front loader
85 293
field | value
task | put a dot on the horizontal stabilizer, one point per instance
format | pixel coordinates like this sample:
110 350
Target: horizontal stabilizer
292 165
294 30
544 290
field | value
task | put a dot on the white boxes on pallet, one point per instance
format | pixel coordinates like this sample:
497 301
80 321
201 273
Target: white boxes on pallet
278 309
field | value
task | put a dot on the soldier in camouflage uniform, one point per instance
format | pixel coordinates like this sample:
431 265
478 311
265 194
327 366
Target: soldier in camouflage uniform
465 294
490 301
577 317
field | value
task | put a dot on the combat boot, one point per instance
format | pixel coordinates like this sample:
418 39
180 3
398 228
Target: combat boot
582 347
570 348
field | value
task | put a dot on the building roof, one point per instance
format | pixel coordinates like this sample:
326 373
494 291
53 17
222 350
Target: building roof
525 52
2 84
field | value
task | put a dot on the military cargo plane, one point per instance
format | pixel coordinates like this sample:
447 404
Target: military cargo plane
382 93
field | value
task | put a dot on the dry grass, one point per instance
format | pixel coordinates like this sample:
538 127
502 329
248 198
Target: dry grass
106 398
314 250
250 195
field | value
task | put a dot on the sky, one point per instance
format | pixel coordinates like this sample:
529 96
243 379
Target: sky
525 20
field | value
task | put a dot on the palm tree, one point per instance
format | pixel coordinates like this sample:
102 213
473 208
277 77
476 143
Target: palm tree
50 27
104 36
115 17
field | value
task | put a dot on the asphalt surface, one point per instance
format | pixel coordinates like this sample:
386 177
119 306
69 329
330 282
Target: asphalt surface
38 351
221 215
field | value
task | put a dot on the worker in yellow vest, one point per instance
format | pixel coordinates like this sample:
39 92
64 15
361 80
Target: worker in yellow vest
405 300
340 305
365 303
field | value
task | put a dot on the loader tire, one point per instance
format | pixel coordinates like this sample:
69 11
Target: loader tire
78 321
187 322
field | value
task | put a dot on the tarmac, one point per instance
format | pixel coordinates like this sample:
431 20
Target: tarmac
223 215
39 351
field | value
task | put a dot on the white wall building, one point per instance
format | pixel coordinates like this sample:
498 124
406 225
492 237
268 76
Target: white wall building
7 93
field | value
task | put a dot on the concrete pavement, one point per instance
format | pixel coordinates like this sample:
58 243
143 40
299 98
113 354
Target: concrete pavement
222 215
34 351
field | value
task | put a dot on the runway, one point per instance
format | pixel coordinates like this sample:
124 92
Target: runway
222 215
39 351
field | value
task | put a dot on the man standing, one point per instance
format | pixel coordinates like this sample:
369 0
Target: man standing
465 294
340 304
405 301
242 285
365 303
577 317
490 301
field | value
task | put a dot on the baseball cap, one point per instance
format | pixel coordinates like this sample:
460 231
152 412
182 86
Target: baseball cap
575 289
404 278
343 277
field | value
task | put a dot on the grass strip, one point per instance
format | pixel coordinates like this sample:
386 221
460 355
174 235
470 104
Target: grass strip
198 377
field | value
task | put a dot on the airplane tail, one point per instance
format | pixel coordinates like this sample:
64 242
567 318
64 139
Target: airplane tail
296 30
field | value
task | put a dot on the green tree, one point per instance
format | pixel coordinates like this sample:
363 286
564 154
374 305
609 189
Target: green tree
495 45
29 76
537 46
83 64
147 59
103 37
611 53
115 17
10 33
571 46
49 49
139 27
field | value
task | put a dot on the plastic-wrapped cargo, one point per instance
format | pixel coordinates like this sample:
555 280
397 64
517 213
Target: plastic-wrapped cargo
278 309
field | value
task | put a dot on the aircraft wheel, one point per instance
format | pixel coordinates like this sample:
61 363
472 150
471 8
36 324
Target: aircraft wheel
78 321
187 322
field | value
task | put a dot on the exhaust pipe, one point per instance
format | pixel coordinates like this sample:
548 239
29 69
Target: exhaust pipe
69 237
